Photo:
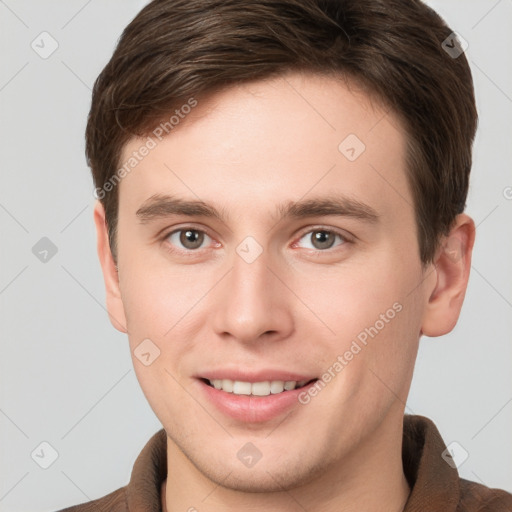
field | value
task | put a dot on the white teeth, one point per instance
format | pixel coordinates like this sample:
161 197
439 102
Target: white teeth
289 385
242 388
227 385
261 388
276 386
264 388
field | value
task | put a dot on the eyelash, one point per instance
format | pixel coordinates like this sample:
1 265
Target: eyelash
342 235
346 239
187 252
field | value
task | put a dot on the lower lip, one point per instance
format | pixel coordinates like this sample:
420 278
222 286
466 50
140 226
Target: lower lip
250 408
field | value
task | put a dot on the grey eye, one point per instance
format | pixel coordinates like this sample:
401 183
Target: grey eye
321 239
188 238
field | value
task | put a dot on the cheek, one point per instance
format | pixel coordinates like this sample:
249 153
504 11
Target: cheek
350 299
156 300
159 308
367 311
163 311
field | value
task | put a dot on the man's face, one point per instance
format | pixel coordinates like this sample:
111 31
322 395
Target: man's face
310 271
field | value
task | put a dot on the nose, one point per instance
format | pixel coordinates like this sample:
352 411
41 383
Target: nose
252 303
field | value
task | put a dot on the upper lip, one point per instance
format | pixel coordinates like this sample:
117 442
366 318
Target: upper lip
255 375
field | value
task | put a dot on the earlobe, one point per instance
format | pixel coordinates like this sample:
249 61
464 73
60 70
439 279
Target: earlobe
115 306
452 266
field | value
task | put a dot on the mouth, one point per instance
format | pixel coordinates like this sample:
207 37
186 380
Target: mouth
257 389
258 399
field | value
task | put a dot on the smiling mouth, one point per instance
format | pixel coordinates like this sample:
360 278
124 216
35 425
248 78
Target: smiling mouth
264 388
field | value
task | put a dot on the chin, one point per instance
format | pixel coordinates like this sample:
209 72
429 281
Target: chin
277 476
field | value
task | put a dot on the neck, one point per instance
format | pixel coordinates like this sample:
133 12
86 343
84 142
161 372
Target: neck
371 478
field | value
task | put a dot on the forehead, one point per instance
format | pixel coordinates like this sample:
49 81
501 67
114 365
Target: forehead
267 142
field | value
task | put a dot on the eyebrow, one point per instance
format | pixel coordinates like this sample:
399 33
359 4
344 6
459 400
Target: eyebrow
161 206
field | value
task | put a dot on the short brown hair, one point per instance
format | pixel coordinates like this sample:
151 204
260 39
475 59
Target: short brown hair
175 50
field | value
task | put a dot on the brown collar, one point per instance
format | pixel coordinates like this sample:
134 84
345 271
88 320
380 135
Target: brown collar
162 491
435 484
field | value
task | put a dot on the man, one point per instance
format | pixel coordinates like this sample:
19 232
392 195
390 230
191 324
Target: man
281 217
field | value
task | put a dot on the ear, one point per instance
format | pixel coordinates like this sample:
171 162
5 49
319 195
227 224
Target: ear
452 265
110 275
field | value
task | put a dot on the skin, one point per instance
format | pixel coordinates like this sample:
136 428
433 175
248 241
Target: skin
296 307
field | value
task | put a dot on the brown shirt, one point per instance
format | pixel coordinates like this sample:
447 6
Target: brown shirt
435 485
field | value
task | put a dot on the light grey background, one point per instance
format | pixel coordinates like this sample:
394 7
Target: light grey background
66 374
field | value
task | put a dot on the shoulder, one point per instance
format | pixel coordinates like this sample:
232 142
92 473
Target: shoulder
475 497
113 502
